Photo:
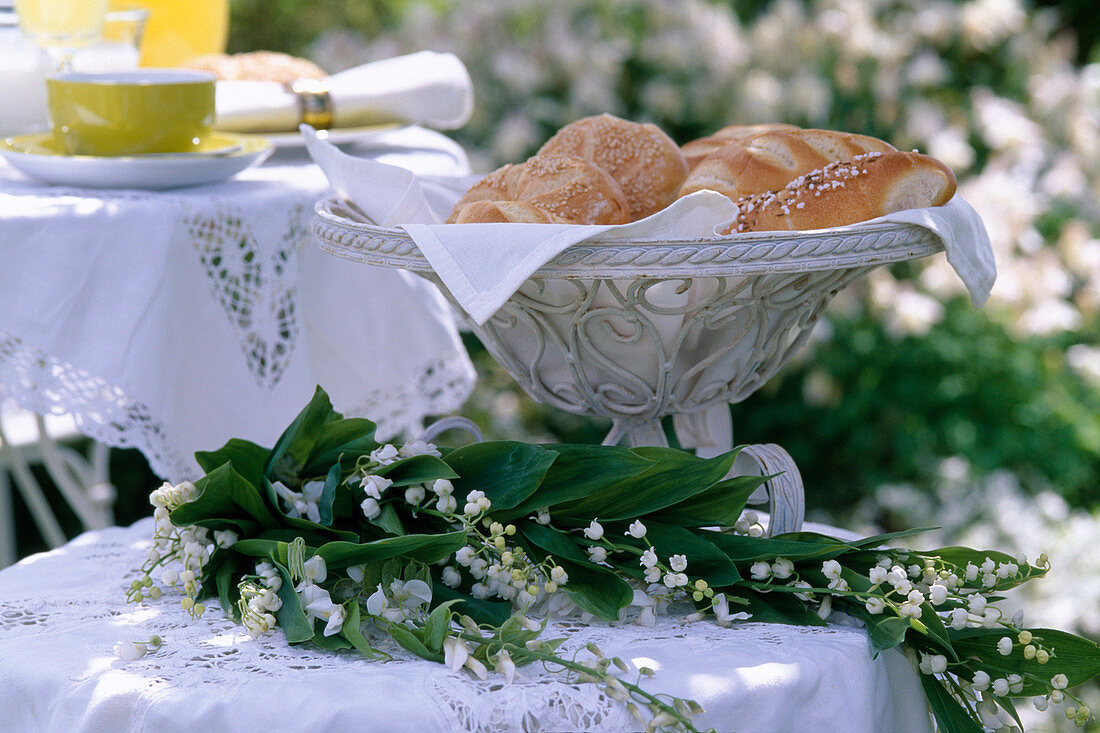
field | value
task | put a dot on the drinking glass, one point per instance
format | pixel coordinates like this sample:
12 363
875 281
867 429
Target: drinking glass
61 26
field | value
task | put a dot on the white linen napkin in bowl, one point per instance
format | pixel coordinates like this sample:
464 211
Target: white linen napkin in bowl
427 88
484 264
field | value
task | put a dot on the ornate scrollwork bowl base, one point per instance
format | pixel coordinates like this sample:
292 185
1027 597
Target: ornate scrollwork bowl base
635 330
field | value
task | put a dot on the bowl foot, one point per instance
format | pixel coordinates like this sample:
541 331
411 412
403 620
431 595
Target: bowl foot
710 433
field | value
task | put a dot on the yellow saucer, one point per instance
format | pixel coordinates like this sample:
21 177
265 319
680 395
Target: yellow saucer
216 143
39 156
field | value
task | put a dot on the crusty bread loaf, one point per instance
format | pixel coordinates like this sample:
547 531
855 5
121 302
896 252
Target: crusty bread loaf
604 170
504 212
770 160
500 185
697 150
642 159
573 189
257 66
846 192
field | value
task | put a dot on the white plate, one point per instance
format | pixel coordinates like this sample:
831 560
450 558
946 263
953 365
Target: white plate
38 157
337 136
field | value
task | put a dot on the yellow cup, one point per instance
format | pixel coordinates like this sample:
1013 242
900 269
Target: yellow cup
134 112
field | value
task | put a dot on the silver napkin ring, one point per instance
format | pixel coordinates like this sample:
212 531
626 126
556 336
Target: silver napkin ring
314 102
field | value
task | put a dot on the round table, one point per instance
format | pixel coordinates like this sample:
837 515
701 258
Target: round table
62 612
171 321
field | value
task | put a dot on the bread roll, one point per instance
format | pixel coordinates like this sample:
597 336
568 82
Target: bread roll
770 160
846 192
504 212
642 159
500 185
257 66
697 150
573 189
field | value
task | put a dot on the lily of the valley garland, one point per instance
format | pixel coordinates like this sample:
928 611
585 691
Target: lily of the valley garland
455 554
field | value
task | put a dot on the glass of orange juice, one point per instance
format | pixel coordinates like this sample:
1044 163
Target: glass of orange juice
178 30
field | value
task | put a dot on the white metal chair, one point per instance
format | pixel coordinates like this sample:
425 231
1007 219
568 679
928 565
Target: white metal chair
27 440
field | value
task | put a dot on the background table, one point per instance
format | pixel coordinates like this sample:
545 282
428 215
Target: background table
61 613
175 320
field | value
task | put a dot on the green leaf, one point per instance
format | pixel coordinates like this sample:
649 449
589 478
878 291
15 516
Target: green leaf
874 541
328 494
886 631
354 635
930 625
484 612
274 550
225 577
243 527
554 541
596 589
408 640
960 556
340 441
225 494
248 459
743 549
289 534
705 560
1077 658
292 619
950 716
579 470
389 520
426 548
437 625
668 482
292 450
303 525
422 469
720 505
777 607
507 471
513 632
332 643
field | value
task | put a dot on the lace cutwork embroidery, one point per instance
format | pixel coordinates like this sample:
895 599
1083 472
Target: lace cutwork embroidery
255 287
46 385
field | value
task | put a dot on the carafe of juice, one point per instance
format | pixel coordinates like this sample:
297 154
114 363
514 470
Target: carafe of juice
178 30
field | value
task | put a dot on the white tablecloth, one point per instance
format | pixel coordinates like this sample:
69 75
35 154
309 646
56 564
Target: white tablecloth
173 321
62 612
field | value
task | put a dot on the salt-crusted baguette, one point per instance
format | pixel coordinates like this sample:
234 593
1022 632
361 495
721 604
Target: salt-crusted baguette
500 185
696 150
642 159
770 160
572 189
846 192
504 212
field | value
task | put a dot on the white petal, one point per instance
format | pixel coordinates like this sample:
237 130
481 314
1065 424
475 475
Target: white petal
419 589
335 620
377 602
506 667
315 569
477 668
454 653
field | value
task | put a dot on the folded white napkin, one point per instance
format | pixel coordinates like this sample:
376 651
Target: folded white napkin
427 88
484 264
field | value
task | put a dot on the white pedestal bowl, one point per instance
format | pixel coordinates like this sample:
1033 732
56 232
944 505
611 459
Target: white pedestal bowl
635 330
